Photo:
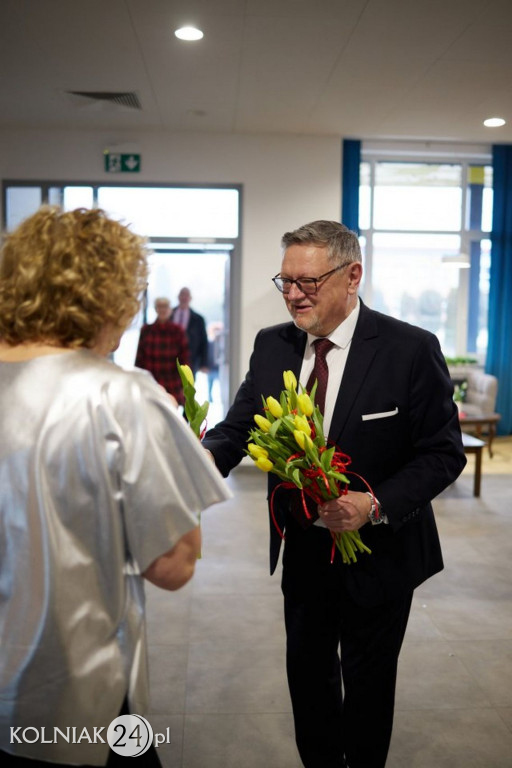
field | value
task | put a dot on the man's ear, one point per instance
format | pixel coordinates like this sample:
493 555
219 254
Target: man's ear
354 274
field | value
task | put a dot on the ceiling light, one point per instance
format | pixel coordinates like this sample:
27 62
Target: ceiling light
189 33
494 122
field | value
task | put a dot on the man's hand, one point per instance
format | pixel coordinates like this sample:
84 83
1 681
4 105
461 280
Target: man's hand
346 513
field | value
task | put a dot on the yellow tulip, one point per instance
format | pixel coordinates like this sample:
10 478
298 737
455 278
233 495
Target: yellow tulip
264 464
257 451
263 424
274 407
305 404
304 441
302 425
300 438
188 373
290 382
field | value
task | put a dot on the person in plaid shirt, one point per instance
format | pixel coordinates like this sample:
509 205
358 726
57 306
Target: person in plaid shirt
160 344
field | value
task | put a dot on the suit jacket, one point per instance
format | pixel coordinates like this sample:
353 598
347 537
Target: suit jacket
197 340
394 416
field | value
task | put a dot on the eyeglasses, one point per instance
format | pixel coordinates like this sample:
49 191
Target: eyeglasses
307 285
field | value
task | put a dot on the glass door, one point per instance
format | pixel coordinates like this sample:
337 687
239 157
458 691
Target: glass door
194 232
206 272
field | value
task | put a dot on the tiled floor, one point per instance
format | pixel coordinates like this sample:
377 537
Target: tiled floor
217 646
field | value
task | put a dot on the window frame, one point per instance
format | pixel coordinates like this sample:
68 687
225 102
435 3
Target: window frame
374 152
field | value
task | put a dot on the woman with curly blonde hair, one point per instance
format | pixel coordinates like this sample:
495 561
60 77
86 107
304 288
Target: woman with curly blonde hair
102 482
67 277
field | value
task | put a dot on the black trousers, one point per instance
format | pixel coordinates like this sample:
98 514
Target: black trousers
341 661
149 759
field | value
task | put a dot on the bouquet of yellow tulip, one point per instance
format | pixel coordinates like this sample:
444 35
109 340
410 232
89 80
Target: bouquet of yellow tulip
290 443
195 413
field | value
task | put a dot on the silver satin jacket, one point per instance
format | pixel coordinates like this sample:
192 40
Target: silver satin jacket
99 476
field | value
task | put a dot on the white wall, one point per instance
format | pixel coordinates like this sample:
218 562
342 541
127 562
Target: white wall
287 181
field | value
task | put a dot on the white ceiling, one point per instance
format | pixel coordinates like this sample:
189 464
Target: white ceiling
417 69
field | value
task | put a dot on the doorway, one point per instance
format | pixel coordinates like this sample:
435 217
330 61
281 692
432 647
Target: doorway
194 232
206 272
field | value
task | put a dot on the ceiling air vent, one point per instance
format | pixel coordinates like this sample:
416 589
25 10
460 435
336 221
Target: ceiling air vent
122 98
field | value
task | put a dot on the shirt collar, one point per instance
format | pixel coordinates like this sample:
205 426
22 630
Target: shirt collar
342 335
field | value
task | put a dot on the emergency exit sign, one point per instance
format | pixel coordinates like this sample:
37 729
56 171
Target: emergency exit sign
120 162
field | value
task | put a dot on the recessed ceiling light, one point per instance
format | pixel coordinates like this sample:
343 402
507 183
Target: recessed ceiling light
494 122
189 33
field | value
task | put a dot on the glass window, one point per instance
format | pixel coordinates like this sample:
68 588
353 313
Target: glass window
414 280
480 197
417 196
483 297
174 212
426 257
21 202
77 197
55 195
365 196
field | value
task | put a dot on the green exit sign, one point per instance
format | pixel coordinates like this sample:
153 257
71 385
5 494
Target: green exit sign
120 162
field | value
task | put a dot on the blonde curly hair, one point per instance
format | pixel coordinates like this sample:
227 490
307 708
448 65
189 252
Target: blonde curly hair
64 276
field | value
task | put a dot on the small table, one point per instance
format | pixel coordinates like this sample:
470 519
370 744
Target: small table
489 420
474 445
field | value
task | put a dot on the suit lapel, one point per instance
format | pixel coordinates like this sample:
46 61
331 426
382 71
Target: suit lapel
362 351
291 353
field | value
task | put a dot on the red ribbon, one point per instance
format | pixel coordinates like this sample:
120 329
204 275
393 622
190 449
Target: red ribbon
339 462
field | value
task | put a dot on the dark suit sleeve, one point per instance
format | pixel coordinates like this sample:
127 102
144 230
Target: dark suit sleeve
435 456
228 439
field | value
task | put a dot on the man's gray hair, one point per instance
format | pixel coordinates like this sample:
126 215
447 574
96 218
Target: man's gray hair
342 244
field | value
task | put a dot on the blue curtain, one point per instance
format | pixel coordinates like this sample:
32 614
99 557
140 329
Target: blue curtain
350 184
499 350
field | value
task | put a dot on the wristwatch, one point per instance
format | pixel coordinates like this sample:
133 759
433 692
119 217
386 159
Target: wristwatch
375 515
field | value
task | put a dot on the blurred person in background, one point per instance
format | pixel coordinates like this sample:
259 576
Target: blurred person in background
101 480
215 354
160 344
195 327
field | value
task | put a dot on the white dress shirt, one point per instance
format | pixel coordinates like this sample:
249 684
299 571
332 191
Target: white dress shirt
336 359
181 317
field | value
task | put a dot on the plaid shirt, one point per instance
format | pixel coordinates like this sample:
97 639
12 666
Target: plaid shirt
159 346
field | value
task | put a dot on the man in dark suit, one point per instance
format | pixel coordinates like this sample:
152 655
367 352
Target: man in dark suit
389 406
194 326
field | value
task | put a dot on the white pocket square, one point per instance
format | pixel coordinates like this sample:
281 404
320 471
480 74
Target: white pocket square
381 415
